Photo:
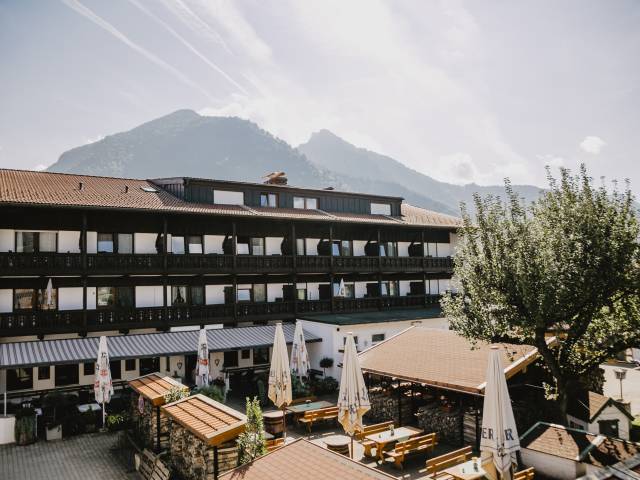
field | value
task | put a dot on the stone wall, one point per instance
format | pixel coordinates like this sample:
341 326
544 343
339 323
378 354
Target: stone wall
446 423
384 406
146 424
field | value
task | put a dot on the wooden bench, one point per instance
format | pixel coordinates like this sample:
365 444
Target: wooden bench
273 444
152 468
415 445
451 459
368 430
527 474
312 416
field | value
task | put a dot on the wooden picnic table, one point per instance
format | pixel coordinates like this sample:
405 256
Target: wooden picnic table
382 439
470 470
300 408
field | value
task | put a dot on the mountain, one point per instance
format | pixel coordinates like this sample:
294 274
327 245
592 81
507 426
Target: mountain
333 153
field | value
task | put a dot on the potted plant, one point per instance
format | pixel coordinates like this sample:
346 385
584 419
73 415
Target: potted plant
325 363
25 428
56 406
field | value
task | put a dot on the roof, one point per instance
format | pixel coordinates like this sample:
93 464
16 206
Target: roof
591 404
441 358
211 421
376 317
303 459
626 470
78 350
25 187
577 445
154 386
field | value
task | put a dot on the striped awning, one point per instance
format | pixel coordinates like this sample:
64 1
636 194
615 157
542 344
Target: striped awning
79 350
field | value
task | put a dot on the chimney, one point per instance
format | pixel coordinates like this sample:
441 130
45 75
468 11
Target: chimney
275 178
126 189
80 186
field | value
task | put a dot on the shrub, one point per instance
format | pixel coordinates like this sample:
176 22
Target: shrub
299 389
117 421
174 394
214 392
325 363
25 427
251 443
325 386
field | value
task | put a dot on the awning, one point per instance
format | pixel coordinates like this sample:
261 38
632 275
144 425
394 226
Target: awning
79 350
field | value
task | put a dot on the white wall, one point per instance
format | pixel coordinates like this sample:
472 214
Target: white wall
91 298
612 413
47 384
360 289
213 243
444 249
144 243
273 245
68 242
358 248
274 290
311 245
551 466
149 296
313 291
405 287
227 197
92 242
70 298
7 240
6 300
214 294
453 240
403 249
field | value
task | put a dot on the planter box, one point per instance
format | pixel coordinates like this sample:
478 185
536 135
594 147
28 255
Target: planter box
7 429
54 433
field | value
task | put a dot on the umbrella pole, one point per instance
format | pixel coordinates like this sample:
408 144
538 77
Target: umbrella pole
352 446
103 416
284 424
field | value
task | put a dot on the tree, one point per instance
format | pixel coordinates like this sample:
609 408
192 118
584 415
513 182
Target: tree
251 443
566 265
326 362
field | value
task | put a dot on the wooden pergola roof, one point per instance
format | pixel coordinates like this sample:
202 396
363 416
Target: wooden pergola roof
211 421
153 387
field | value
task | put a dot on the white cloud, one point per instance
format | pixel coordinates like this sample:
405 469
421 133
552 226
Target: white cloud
457 168
592 144
40 167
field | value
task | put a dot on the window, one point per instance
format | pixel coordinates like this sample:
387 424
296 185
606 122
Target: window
129 364
105 243
259 292
257 246
124 297
301 292
228 197
195 244
34 299
67 375
388 249
380 208
342 248
44 373
300 246
125 243
177 244
308 203
245 354
178 295
19 379
230 359
106 297
121 297
260 355
30 242
377 337
389 288
244 294
609 427
268 200
187 295
168 364
89 368
149 365
355 340
116 369
349 290
197 295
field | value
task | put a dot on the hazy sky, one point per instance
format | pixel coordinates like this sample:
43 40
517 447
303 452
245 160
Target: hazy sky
461 91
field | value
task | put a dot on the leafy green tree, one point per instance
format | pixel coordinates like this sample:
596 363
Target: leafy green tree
566 265
251 443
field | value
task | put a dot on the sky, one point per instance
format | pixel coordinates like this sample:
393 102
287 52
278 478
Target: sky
462 91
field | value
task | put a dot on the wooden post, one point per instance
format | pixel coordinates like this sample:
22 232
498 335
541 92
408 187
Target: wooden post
399 405
83 242
215 462
158 429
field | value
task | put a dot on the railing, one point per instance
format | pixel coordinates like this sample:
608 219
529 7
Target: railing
28 263
314 306
119 263
435 263
313 263
65 320
264 309
356 264
263 263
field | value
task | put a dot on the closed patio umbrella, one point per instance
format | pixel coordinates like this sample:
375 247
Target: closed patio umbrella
50 293
342 290
499 434
202 371
299 354
353 399
102 386
280 375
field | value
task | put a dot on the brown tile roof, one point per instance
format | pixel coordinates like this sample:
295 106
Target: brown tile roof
153 387
577 445
589 405
441 358
24 187
304 460
211 421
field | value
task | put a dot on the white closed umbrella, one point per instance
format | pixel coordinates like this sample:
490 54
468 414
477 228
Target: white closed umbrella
299 354
499 433
103 386
342 290
353 398
202 371
280 375
50 293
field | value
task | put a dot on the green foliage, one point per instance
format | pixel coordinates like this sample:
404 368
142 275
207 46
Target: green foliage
25 426
175 393
566 265
326 362
299 389
251 443
325 385
635 430
117 421
214 392
57 406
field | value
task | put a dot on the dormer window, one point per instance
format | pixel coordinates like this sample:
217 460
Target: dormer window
269 200
228 197
380 208
306 203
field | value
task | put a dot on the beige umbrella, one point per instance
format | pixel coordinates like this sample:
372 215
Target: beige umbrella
499 434
49 293
353 399
299 354
280 375
202 370
103 386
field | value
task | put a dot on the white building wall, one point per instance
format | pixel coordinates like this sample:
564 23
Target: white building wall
92 242
273 245
312 245
91 298
7 240
551 466
403 249
444 249
70 298
214 294
274 290
6 300
313 291
44 384
453 240
612 413
358 248
149 296
360 289
405 287
144 243
68 241
213 244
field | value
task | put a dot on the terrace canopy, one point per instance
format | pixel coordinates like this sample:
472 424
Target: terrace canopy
154 386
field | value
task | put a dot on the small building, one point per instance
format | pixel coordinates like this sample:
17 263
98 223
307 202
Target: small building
599 414
202 437
302 459
150 424
567 453
368 329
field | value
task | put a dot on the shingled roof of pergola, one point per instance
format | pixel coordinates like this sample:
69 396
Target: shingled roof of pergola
154 386
441 358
